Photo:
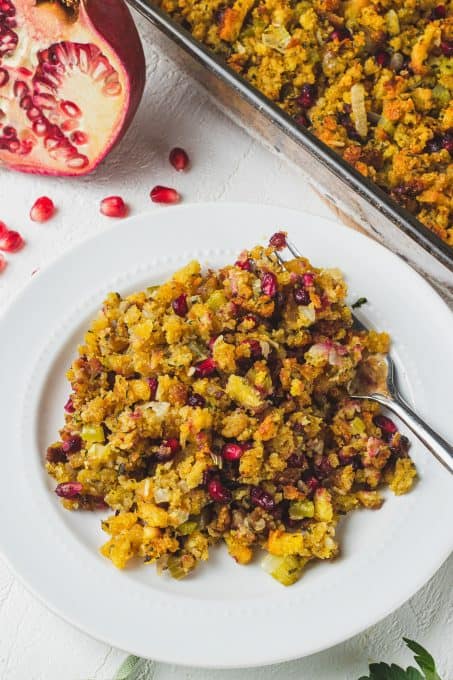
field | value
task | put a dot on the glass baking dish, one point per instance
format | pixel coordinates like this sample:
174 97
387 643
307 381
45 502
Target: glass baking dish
348 192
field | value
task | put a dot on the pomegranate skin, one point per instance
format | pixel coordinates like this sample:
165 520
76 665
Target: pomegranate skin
105 26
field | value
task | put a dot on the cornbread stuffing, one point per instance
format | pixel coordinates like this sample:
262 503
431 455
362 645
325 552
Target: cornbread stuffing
214 407
373 79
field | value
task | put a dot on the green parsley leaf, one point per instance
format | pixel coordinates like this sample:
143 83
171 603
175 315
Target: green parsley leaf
358 303
382 671
127 668
423 659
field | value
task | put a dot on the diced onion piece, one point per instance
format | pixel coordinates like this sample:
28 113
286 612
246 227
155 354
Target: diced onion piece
161 495
393 23
358 109
276 37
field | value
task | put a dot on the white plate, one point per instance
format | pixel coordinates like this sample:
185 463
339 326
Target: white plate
224 615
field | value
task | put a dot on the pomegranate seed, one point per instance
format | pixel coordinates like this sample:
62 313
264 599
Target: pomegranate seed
167 450
180 305
160 194
446 47
205 368
217 491
439 12
11 241
79 138
69 406
261 498
269 284
278 240
55 454
43 209
232 451
301 296
179 159
383 58
72 445
255 348
308 279
69 489
196 399
246 265
153 384
114 206
307 96
340 34
387 426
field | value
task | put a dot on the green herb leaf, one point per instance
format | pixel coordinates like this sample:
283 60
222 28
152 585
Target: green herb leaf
358 303
382 671
423 659
127 668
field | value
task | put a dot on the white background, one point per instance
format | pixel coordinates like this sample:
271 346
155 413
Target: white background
226 165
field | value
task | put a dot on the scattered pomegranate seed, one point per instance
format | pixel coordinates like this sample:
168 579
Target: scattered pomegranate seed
69 406
307 96
69 489
196 399
11 241
179 159
269 284
217 491
278 240
301 296
232 451
73 444
205 368
387 426
446 47
340 34
383 58
153 384
167 450
261 498
114 206
160 194
255 348
180 305
246 265
439 12
308 279
43 209
3 263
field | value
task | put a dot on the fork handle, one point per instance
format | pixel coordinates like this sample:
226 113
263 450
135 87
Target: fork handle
440 448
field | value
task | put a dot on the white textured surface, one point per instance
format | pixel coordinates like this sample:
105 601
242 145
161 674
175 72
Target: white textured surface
227 165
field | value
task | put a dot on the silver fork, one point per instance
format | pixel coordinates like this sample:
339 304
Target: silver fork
391 398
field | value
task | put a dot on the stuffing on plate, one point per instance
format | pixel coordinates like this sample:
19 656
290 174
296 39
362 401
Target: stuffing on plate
373 79
215 407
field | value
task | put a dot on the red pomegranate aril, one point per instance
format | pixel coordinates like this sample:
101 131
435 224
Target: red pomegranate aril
262 498
301 296
217 491
11 241
4 77
179 159
308 279
196 400
167 450
278 240
446 47
246 264
387 426
69 406
73 444
43 209
114 206
3 263
69 489
153 385
167 195
269 284
307 96
439 12
340 34
383 58
79 138
232 451
70 109
179 305
205 368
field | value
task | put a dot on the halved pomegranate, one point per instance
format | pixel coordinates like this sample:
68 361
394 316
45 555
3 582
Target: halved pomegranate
72 74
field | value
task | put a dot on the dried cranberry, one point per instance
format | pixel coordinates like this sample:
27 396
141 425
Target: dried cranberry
73 444
383 58
255 348
302 120
262 498
386 425
269 284
295 460
246 264
196 399
301 296
446 47
153 384
205 368
217 491
278 240
340 34
55 454
69 489
307 96
69 406
167 450
308 279
439 12
180 305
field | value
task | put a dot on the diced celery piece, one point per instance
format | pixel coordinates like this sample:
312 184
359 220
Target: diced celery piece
286 570
357 426
386 125
442 95
187 528
216 300
93 433
175 567
301 509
